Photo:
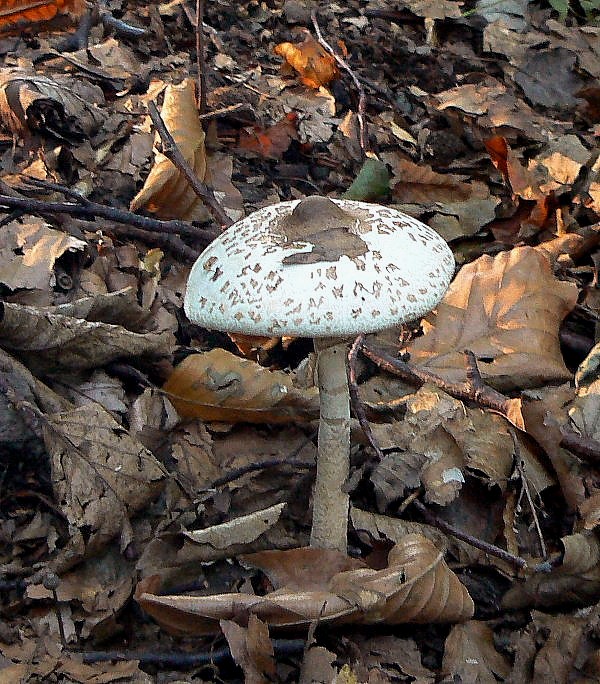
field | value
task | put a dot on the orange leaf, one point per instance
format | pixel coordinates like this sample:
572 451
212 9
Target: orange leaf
313 63
273 141
522 181
16 13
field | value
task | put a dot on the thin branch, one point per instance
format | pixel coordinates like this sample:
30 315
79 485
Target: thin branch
200 57
356 403
521 470
174 660
362 98
91 210
586 448
472 390
173 154
491 549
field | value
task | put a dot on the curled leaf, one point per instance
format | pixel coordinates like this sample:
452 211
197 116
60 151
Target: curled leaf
319 584
315 66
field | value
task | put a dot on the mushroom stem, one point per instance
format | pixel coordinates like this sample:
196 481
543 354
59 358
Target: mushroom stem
330 502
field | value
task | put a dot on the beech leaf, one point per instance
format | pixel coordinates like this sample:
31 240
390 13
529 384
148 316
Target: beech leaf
507 310
219 386
417 586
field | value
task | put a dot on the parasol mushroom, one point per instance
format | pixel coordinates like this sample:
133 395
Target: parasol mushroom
330 270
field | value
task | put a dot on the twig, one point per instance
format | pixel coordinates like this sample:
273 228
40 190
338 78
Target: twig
91 210
474 386
222 111
355 401
200 57
120 27
586 448
525 485
261 465
490 549
362 98
173 154
472 390
281 647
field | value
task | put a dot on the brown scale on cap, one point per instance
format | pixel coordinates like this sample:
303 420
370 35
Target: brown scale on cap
335 237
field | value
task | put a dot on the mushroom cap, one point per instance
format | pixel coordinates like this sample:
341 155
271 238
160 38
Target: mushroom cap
319 268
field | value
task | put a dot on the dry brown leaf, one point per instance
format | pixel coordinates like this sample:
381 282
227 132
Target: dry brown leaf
417 184
19 14
497 109
459 208
561 641
470 655
273 141
315 66
417 586
507 310
524 182
60 106
51 338
574 583
251 649
544 413
437 442
219 386
28 252
166 191
101 477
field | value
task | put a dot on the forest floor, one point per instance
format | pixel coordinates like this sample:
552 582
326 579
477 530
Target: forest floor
148 464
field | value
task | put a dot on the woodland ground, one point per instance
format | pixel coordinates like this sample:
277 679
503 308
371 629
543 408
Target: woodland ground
142 455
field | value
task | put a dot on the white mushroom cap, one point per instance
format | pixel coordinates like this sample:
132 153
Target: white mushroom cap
332 268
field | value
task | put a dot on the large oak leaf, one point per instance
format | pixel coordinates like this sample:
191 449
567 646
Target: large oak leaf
507 309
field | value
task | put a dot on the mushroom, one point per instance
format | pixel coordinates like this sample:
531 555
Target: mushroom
330 270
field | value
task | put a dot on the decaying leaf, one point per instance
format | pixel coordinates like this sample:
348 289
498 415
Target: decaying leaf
166 191
219 386
60 106
507 310
239 531
525 183
315 66
319 584
101 476
460 208
19 14
470 654
28 252
438 442
574 583
251 649
273 141
61 337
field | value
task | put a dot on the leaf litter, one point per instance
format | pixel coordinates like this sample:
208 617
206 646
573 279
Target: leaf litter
143 456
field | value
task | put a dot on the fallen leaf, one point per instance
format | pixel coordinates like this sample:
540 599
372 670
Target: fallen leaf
219 386
315 66
273 141
59 106
471 656
507 310
19 14
100 477
251 649
576 582
52 338
166 191
416 587
28 253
